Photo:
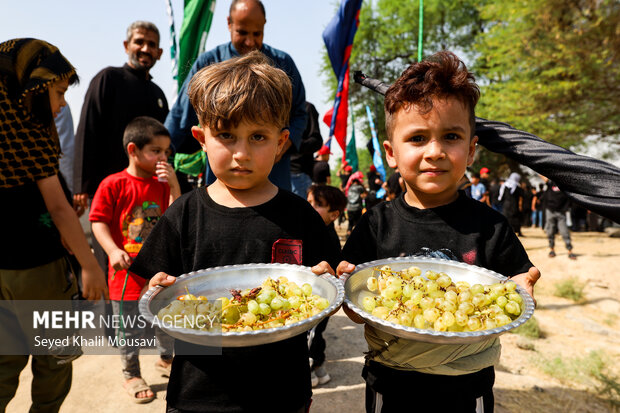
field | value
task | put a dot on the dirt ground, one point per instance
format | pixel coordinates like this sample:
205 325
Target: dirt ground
570 331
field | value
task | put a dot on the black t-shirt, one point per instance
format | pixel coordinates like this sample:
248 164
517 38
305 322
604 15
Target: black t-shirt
320 172
393 184
29 238
196 233
555 199
372 185
465 230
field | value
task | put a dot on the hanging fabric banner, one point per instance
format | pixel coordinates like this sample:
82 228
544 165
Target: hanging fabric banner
377 161
338 37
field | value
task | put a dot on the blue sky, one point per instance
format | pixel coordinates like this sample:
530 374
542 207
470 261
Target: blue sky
91 33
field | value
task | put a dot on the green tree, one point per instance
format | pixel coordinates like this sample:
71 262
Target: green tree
387 42
552 67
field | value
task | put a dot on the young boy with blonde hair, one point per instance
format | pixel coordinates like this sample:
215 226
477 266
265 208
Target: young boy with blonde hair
430 126
243 106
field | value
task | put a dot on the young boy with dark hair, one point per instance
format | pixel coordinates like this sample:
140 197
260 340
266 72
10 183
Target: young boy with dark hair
430 127
330 203
125 208
243 106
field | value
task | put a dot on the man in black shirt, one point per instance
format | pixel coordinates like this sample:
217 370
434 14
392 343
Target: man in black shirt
302 159
116 96
556 204
321 174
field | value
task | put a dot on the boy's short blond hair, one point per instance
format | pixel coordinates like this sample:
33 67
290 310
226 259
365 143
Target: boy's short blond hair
246 88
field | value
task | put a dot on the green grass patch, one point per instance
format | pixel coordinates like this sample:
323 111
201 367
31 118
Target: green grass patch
571 289
529 329
591 370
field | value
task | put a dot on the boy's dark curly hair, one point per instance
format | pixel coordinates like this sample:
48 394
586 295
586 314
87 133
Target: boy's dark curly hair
440 76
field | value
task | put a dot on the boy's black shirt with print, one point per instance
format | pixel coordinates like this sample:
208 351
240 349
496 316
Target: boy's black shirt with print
196 233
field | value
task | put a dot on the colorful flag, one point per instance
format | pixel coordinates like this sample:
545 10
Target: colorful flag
338 37
197 17
377 161
351 155
173 41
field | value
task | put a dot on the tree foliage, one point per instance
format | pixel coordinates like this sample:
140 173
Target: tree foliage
552 67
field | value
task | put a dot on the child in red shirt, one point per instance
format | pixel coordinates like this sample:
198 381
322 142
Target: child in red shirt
125 208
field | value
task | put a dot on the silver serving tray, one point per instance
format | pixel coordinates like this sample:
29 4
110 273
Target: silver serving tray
218 281
355 289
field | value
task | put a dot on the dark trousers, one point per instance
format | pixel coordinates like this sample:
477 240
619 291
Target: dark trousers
389 391
317 345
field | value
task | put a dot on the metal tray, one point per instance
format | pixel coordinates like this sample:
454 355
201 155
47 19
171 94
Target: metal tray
217 282
355 286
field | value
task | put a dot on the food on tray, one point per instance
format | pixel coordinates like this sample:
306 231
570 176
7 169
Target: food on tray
275 303
435 302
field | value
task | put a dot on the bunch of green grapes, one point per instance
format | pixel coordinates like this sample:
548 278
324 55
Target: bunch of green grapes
435 302
275 303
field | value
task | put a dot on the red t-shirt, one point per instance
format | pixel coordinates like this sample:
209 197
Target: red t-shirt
131 207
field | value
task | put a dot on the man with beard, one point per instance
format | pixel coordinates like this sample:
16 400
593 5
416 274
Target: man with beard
116 96
246 22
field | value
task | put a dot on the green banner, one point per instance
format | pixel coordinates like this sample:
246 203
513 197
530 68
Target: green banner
351 156
197 17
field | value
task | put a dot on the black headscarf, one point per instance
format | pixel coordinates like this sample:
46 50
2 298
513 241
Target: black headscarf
29 146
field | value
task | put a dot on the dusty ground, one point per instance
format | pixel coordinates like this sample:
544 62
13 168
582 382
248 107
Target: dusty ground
571 330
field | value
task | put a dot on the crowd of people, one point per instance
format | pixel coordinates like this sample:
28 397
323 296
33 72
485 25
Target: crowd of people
266 168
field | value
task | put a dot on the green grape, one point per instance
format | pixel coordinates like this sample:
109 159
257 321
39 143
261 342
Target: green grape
431 275
408 289
295 301
413 271
489 323
448 306
474 323
223 301
426 303
230 315
432 286
381 312
369 304
467 308
306 289
372 284
265 296
501 301
465 296
431 314
405 319
451 296
420 322
479 300
511 286
264 308
389 303
499 288
444 280
439 325
418 282
502 320
476 289
417 296
516 297
247 318
176 307
462 286
393 281
253 307
163 313
436 294
286 304
460 318
276 303
448 318
392 292
512 308
322 303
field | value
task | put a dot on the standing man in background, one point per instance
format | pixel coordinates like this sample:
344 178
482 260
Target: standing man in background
246 22
302 160
115 96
